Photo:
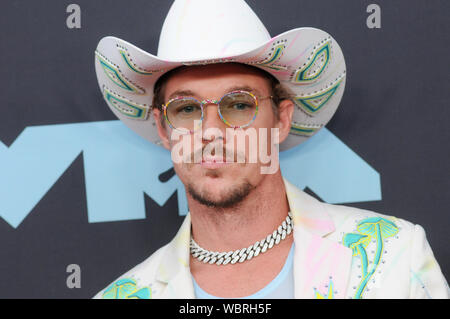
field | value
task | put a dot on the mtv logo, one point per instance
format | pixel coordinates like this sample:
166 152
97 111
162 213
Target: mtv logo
120 166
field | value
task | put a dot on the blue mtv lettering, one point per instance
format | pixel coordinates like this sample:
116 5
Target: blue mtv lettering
331 169
120 166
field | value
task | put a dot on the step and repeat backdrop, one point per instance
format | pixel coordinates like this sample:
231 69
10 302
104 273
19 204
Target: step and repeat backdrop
83 199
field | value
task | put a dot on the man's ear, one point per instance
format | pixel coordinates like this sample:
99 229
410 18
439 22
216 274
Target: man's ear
285 113
162 131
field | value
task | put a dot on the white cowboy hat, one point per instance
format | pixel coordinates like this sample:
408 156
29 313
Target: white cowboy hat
308 62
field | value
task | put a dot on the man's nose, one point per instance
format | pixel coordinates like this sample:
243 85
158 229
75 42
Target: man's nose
212 120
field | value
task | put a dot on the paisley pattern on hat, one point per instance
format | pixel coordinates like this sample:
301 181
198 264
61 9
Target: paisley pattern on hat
129 109
312 103
316 64
304 129
304 60
113 73
129 62
274 56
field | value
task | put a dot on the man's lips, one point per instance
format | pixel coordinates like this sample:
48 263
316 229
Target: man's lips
213 162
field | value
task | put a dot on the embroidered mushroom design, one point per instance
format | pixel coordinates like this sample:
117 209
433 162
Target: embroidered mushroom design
377 228
358 243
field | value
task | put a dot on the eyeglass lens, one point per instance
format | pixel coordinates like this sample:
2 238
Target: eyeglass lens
236 109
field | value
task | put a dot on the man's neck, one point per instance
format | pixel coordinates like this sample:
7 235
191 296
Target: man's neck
257 216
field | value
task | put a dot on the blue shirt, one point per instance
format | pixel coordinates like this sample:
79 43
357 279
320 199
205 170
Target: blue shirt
281 287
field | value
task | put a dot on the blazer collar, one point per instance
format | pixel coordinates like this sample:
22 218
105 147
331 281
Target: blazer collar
174 267
308 213
321 266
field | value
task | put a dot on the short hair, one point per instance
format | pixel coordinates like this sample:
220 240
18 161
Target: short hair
278 94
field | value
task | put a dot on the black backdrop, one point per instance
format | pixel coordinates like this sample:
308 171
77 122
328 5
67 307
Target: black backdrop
394 114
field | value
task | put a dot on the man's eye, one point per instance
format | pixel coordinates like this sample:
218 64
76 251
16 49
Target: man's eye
187 109
240 106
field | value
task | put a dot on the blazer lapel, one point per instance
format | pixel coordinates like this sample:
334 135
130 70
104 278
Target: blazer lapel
321 266
173 271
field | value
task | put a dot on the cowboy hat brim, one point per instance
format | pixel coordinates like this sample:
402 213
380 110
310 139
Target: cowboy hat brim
308 62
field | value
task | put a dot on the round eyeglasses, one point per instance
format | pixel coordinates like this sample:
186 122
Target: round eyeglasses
237 109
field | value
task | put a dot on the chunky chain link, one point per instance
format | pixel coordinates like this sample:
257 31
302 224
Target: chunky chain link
241 255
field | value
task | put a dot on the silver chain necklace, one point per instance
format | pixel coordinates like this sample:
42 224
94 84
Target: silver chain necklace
241 255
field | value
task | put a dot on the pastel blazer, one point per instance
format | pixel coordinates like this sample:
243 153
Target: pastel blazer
340 252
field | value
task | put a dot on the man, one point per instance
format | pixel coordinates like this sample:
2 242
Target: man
221 87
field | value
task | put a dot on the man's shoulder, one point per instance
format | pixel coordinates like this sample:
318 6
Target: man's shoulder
344 216
392 252
322 217
138 282
353 220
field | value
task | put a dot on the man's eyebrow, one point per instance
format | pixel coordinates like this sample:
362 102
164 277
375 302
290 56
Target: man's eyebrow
181 93
230 89
244 88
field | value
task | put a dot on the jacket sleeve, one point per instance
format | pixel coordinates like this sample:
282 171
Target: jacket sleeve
427 280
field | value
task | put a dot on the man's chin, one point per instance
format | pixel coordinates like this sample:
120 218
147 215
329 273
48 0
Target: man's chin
215 172
213 193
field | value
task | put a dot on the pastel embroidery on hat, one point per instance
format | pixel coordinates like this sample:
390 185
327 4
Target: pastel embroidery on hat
129 109
312 70
276 54
113 73
129 62
304 129
303 55
311 104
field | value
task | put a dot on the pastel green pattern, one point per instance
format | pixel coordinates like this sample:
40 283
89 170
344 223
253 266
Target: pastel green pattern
368 229
358 243
126 288
127 108
130 64
113 73
313 103
303 130
321 58
270 62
